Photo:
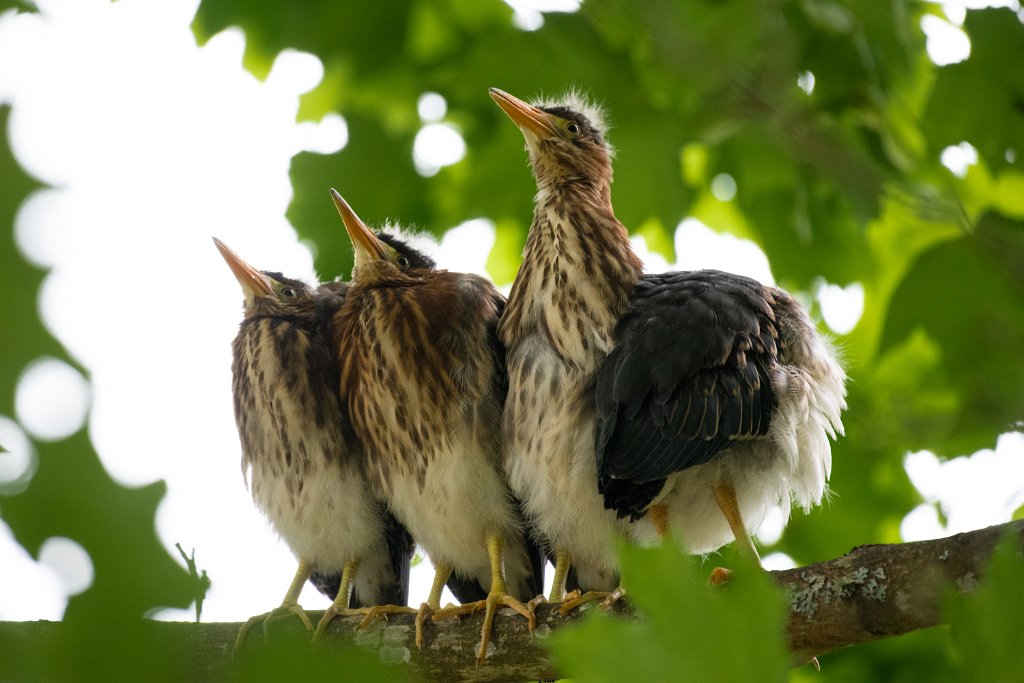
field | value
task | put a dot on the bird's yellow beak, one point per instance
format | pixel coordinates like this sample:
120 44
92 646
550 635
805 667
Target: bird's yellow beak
527 117
254 283
365 244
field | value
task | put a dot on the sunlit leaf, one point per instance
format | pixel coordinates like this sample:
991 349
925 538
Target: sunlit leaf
979 100
687 631
968 295
22 336
987 628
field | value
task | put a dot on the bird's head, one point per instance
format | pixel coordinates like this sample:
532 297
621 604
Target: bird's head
267 293
379 257
565 138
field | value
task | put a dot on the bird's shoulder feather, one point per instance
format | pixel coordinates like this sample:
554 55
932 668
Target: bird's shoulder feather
689 372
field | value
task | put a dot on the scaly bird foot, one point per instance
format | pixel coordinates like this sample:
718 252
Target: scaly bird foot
575 600
382 612
283 610
448 612
369 614
493 601
426 610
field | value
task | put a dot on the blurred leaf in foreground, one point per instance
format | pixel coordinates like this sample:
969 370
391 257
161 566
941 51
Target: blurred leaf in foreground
987 627
687 631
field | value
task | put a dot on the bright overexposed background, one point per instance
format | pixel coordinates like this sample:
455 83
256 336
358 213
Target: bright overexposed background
150 145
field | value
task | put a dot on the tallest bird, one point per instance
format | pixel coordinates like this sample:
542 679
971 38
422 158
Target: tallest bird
692 400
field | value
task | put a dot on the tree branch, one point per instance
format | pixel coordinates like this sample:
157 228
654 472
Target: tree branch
872 592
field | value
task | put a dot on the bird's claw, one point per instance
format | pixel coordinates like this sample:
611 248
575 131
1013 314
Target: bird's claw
381 612
267 618
326 619
369 614
532 604
613 598
421 617
575 600
492 603
437 614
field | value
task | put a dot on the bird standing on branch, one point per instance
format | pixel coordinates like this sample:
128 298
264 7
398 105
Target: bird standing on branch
299 454
696 400
422 371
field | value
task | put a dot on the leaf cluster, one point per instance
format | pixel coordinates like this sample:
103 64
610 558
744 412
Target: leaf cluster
842 183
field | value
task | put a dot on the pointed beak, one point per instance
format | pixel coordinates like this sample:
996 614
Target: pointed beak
527 117
254 283
366 245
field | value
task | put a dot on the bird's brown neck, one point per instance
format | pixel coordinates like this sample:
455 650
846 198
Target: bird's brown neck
577 275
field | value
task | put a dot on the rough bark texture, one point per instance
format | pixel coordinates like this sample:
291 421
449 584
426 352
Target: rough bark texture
874 591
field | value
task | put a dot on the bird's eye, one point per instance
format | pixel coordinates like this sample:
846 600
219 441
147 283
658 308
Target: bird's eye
573 128
287 292
402 262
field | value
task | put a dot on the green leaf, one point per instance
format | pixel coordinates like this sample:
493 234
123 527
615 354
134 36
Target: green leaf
374 173
292 659
200 582
72 496
968 296
368 36
980 99
986 624
22 336
687 631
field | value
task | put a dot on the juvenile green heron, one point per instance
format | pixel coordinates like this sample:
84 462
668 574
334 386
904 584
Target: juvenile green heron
422 371
698 399
299 454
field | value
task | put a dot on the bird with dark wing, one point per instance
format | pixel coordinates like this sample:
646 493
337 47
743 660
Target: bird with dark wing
691 400
422 372
299 455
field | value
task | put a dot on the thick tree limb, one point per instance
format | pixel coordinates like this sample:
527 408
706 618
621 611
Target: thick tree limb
873 592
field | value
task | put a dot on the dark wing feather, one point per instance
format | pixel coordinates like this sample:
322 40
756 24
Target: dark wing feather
327 583
689 373
466 589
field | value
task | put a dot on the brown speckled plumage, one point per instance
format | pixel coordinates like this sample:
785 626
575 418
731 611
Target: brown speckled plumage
299 455
689 391
422 374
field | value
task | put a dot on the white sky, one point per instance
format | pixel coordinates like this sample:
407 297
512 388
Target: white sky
152 145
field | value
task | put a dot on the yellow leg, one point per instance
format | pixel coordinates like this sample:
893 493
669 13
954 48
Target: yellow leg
562 564
441 575
290 605
340 604
498 596
725 496
658 515
433 603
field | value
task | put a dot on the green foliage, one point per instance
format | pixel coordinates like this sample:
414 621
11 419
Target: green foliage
980 99
843 183
987 629
688 631
22 336
978 329
200 581
72 496
291 659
